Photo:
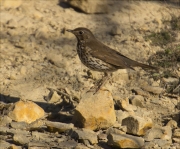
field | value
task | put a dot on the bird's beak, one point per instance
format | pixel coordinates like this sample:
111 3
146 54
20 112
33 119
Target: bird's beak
69 30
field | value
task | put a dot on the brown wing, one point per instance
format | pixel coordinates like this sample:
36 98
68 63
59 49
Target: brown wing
113 57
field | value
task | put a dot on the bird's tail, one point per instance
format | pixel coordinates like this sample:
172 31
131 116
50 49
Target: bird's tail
144 66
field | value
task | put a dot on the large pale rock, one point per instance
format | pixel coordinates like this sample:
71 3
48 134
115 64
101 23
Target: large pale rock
10 3
164 133
137 125
26 111
90 6
125 141
95 111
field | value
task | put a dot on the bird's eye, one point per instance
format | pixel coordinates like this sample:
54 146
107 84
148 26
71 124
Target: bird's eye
81 32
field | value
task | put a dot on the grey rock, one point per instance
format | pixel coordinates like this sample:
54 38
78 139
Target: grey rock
4 120
178 105
125 141
158 133
68 144
163 143
83 135
5 130
58 127
137 125
120 115
19 125
141 92
37 144
20 139
176 133
137 100
153 89
102 136
81 146
114 131
4 144
40 136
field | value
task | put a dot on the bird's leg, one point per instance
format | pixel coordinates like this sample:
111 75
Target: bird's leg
102 81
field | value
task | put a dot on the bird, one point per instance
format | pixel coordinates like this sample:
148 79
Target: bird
98 57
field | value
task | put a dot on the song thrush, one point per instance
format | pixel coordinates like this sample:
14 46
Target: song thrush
99 57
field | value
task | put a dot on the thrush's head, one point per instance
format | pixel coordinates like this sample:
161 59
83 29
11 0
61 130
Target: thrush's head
82 34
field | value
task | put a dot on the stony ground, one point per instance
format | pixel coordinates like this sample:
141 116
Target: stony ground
40 67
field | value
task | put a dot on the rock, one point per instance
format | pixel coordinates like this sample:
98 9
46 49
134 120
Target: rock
90 6
102 136
37 125
153 89
114 131
176 133
54 97
170 80
163 143
58 127
68 144
81 146
19 125
177 140
12 23
120 115
13 76
20 139
10 3
172 124
4 144
137 100
15 147
4 120
158 143
84 134
42 32
40 136
158 133
5 131
121 76
178 105
95 111
140 92
137 125
26 111
125 141
36 14
37 145
23 70
116 30
124 104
